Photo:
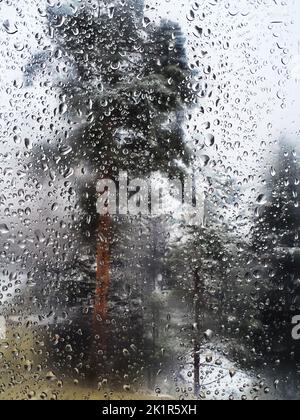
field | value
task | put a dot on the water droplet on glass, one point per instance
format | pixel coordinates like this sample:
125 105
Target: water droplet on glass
208 334
10 28
146 22
65 150
51 376
261 199
111 12
28 144
4 229
63 108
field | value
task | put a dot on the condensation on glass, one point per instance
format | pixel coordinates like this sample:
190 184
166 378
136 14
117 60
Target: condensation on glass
149 199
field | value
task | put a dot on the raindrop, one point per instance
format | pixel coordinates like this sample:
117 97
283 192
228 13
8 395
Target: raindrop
210 140
69 348
19 46
63 108
54 207
191 16
261 199
126 353
69 172
4 229
208 334
204 159
146 22
50 376
10 28
59 22
209 358
28 144
199 31
111 12
65 150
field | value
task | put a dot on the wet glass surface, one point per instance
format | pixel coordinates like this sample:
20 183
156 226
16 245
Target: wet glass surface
149 199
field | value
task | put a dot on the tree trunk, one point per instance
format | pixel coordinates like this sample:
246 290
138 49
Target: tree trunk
99 328
102 268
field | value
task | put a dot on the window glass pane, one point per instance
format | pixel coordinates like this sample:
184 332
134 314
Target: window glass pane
149 199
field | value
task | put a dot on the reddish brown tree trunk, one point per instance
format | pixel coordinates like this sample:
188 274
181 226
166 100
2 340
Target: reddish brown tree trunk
102 268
